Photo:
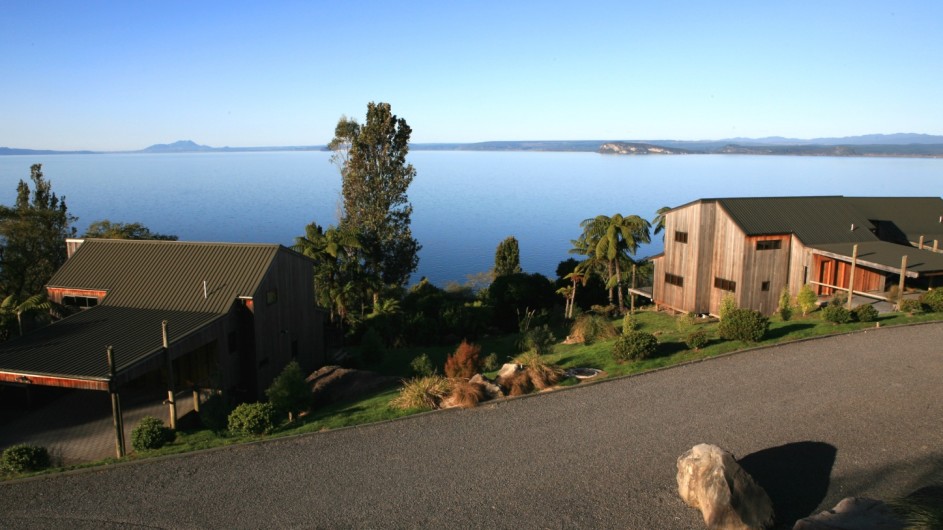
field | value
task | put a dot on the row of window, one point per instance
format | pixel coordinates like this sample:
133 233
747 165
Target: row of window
720 283
768 244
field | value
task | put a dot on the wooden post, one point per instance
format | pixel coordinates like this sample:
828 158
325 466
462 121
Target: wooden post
171 401
115 406
936 245
851 275
920 244
903 274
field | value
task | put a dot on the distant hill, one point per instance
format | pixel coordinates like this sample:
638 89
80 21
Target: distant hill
181 146
15 151
899 144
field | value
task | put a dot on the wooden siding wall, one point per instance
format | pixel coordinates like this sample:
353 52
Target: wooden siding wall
760 266
727 261
294 312
682 259
835 272
801 268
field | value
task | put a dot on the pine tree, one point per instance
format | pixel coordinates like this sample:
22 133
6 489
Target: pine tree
375 177
507 258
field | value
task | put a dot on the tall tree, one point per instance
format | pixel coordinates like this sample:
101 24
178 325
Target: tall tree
375 177
613 239
338 276
507 257
105 229
32 236
659 222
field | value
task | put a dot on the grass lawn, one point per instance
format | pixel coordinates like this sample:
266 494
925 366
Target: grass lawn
671 351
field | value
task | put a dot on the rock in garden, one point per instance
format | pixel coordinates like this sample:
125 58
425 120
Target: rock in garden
711 480
492 391
853 513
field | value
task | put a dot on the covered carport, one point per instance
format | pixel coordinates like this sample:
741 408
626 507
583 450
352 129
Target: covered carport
106 348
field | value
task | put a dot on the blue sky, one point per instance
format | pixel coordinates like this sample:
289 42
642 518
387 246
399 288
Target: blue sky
124 75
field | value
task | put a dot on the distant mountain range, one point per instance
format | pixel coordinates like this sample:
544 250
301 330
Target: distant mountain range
901 144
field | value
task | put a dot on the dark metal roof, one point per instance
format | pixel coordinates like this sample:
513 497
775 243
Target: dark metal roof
811 219
75 346
912 216
167 275
886 256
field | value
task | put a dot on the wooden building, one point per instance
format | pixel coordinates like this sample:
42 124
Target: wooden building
188 315
753 247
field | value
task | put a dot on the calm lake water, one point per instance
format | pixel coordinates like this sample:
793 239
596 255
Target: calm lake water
465 203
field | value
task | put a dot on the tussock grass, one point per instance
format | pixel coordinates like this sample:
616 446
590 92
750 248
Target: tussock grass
422 393
590 327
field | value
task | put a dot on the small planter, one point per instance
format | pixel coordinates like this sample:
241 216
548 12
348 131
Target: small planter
582 373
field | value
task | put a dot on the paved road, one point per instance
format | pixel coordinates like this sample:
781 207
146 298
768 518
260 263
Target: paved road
864 410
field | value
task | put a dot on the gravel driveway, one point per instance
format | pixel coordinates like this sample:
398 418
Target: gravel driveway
857 414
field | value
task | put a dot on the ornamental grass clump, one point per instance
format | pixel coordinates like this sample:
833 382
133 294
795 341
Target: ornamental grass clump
542 375
252 419
634 346
150 433
785 304
591 327
465 362
466 395
745 325
422 393
23 458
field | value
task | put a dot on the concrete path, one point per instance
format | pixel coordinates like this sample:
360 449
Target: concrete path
814 422
78 427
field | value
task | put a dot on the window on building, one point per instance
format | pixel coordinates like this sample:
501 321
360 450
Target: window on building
674 279
681 237
83 302
726 285
769 244
764 286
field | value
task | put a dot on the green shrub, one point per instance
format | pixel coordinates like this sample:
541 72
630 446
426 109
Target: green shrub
911 306
422 366
490 363
865 313
727 304
252 418
22 458
685 323
697 339
836 314
214 413
744 325
423 393
289 393
785 304
539 340
150 433
933 300
807 299
590 327
372 348
629 323
634 346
